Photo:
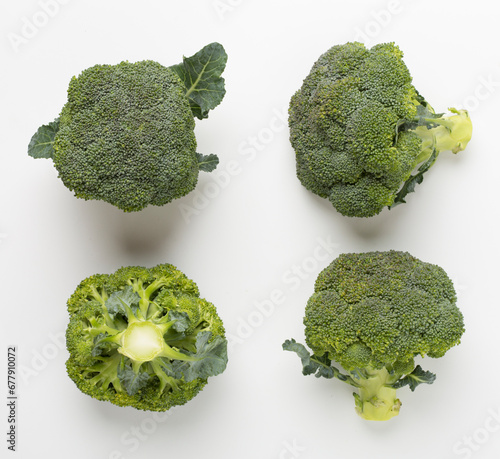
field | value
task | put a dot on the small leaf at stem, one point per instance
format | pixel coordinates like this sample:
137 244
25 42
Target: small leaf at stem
321 367
117 301
41 144
210 358
413 181
132 382
207 163
201 74
415 378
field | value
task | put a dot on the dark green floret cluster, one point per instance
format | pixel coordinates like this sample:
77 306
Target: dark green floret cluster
126 133
126 136
360 129
143 338
373 313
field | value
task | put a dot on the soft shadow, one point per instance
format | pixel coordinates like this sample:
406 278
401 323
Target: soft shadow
368 228
137 233
374 227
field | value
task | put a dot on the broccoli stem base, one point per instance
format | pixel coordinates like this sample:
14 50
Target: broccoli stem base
376 400
450 132
438 133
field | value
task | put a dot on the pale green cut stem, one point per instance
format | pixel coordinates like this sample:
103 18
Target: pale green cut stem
143 342
376 400
453 133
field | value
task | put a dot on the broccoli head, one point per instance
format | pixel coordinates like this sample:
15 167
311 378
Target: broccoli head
143 338
360 129
126 133
373 313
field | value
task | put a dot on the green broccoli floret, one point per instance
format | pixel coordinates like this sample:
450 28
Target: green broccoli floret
143 338
126 134
373 313
360 129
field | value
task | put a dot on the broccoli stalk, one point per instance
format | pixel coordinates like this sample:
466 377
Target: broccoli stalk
438 133
376 399
443 133
373 313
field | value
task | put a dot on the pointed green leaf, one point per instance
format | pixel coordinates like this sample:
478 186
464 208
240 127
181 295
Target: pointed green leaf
309 366
116 302
132 382
103 345
201 74
321 367
207 163
99 346
181 318
210 358
414 180
415 378
41 144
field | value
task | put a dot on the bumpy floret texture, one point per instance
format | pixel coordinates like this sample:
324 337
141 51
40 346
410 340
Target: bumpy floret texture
381 309
343 127
159 298
126 136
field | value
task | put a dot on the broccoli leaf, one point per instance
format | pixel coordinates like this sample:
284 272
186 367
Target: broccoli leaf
181 323
117 301
312 364
201 74
99 345
166 367
415 378
210 358
423 118
41 144
131 381
207 163
414 180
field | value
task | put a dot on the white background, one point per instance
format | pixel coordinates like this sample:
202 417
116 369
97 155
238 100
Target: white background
253 238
